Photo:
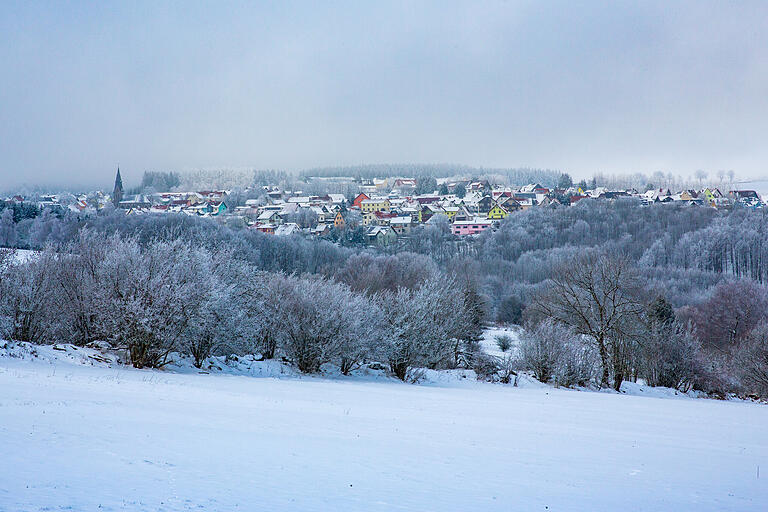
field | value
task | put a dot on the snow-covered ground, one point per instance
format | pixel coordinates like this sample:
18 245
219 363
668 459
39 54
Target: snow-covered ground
79 432
488 342
19 255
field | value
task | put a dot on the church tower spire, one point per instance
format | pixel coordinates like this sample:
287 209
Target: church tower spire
117 194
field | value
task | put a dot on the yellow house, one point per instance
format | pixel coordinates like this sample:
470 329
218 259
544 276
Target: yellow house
374 205
497 212
451 212
711 195
338 221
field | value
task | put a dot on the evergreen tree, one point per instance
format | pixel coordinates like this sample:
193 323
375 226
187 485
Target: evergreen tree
565 181
425 185
660 311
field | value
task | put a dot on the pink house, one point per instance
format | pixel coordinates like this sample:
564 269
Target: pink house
470 227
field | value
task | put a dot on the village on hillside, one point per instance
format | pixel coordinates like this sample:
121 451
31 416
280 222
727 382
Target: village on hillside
387 208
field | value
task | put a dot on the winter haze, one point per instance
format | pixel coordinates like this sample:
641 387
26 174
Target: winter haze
582 87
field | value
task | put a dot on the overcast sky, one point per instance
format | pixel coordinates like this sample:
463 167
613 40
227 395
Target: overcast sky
585 87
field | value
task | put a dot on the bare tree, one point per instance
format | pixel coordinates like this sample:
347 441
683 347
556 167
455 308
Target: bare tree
751 358
731 311
598 296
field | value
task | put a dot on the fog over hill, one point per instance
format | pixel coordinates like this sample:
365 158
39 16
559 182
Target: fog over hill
598 87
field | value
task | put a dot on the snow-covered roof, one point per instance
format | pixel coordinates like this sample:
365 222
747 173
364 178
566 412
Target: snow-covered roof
287 229
475 221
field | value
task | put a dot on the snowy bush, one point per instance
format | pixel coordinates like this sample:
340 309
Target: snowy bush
541 348
508 366
416 329
553 352
311 318
486 367
29 307
751 358
669 356
320 321
579 364
150 295
504 342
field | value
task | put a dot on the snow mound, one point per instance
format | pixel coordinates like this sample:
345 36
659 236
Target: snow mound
58 353
641 389
99 354
249 365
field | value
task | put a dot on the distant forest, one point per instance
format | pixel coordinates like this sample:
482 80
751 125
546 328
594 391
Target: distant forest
521 176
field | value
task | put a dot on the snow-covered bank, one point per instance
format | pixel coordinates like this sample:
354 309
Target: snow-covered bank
81 436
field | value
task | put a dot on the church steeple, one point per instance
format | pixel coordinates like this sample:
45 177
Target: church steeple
117 194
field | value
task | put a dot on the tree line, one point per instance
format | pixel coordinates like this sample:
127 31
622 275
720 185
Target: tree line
690 280
163 296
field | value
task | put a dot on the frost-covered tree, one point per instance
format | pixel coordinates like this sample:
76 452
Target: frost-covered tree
669 352
316 317
28 304
669 355
219 322
510 310
79 286
9 237
426 185
369 273
359 339
417 326
564 181
150 296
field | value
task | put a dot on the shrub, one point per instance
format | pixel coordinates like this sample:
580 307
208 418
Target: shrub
669 356
504 342
510 310
578 364
541 348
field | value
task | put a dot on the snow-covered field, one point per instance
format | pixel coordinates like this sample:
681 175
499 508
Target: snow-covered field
488 342
79 434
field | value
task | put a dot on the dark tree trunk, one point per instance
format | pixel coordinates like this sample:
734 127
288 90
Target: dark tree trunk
605 381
